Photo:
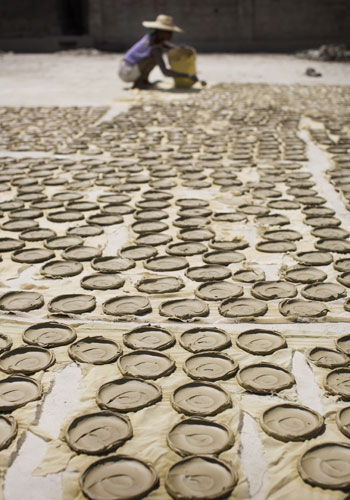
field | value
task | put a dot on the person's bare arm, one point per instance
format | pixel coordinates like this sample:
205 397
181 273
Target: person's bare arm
157 54
169 45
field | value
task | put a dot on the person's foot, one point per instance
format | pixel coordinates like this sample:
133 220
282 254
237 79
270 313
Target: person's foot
142 84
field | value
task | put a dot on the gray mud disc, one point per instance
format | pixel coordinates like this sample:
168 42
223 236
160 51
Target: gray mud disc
26 360
204 339
218 290
146 364
210 366
22 391
98 433
302 308
136 479
160 284
21 301
149 337
202 399
49 334
96 350
265 378
72 304
208 273
271 290
237 308
102 281
291 422
196 435
260 342
304 274
125 305
219 479
128 394
332 470
184 309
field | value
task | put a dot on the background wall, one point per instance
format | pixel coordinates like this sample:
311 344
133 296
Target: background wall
210 25
29 17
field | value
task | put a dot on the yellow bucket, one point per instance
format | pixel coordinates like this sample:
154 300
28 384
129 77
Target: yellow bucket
183 59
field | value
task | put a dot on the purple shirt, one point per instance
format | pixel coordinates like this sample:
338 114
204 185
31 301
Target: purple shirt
139 51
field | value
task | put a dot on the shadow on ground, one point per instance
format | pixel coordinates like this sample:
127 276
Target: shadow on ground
160 86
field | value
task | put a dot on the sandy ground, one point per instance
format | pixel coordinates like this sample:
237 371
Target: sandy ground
68 79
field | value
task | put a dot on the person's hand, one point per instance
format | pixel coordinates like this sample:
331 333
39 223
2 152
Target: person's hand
193 78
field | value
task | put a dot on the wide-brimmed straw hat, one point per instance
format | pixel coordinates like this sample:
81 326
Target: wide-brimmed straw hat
163 22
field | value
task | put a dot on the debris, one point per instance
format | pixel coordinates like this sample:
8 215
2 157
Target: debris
327 52
312 72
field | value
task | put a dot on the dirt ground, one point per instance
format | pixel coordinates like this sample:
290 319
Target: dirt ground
65 79
262 139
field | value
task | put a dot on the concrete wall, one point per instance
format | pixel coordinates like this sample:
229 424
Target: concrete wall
227 25
43 25
210 25
23 18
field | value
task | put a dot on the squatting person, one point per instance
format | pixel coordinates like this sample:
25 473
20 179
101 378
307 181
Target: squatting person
148 52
